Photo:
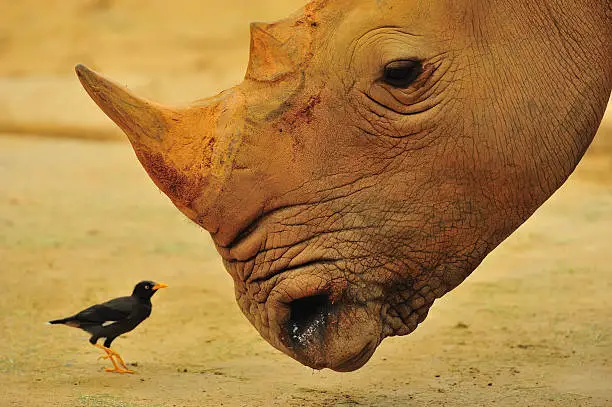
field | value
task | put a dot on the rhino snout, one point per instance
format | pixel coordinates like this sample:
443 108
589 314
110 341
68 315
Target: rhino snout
315 322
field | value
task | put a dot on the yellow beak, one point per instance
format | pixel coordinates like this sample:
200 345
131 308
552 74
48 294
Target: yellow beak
159 285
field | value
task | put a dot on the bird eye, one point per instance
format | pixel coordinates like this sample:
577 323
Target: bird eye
401 74
147 287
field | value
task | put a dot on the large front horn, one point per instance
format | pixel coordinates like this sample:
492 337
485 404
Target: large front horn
178 148
138 118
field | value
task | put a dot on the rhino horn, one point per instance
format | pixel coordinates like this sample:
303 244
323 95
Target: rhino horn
137 117
175 146
281 48
270 58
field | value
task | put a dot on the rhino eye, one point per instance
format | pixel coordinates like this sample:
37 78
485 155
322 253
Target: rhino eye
401 74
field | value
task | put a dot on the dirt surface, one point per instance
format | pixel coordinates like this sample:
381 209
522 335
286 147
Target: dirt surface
80 223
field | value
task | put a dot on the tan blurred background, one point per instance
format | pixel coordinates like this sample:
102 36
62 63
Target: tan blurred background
171 51
80 223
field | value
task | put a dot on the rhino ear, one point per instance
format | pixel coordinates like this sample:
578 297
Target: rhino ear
270 58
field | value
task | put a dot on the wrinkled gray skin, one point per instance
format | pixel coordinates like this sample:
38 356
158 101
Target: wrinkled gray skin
344 205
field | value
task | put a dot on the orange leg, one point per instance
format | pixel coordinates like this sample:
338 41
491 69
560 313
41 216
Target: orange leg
111 354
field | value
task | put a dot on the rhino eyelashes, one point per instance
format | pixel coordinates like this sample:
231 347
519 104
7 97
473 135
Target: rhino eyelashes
401 74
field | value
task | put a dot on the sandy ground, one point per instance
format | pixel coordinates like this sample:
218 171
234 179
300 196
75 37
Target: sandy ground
80 223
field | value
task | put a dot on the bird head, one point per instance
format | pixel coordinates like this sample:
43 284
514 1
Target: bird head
146 289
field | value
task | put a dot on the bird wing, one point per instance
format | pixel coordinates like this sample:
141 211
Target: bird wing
114 310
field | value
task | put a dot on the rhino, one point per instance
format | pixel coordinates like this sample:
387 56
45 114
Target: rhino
375 153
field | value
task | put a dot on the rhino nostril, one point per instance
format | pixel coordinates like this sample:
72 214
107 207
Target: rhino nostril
308 317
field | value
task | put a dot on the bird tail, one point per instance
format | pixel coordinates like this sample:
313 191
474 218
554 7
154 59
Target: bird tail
65 321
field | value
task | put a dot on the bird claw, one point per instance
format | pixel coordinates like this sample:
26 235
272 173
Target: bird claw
118 370
111 354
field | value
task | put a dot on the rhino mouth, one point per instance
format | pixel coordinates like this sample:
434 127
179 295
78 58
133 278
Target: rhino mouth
317 323
312 321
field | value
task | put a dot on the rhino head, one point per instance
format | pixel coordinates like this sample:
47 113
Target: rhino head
374 154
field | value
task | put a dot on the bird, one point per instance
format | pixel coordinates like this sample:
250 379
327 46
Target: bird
113 318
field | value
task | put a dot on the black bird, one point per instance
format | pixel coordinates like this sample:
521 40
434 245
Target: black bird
114 318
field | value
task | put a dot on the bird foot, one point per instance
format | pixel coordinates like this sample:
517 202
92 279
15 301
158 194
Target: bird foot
111 354
117 369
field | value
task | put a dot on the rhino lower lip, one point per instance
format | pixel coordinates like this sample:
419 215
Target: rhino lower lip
357 361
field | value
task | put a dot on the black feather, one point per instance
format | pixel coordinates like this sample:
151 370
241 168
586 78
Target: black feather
115 317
